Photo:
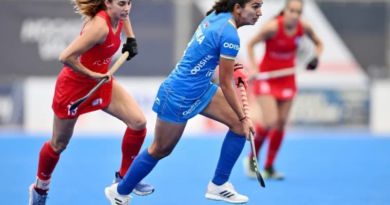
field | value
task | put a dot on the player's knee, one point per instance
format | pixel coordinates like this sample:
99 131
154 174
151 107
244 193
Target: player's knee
58 147
271 122
237 127
159 152
280 123
137 124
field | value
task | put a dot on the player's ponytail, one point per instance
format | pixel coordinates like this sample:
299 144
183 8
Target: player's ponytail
89 8
226 6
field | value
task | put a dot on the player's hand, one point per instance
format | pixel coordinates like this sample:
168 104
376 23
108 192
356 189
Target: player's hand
248 127
99 76
313 64
131 47
240 75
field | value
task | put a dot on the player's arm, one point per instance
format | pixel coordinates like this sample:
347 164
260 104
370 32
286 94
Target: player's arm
228 89
229 47
313 36
127 28
313 64
131 43
95 33
266 32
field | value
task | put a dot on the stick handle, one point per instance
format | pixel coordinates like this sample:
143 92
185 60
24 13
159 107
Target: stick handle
275 74
119 62
115 67
244 100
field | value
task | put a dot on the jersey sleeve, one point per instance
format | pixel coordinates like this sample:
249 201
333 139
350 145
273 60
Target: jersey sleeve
229 43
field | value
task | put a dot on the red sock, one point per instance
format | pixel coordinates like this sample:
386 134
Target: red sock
276 137
48 159
131 145
261 134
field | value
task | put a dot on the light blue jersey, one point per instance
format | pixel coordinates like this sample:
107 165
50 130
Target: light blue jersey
188 89
215 37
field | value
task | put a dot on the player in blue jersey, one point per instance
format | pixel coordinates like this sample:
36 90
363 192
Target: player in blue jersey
188 91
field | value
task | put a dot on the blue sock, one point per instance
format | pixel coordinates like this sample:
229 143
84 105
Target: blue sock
143 164
231 149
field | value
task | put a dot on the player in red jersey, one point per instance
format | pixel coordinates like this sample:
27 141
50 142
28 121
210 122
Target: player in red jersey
86 61
275 96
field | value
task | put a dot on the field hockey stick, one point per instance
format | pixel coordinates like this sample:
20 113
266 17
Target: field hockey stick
275 74
115 67
251 137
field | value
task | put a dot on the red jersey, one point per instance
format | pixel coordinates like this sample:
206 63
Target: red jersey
98 58
71 86
280 51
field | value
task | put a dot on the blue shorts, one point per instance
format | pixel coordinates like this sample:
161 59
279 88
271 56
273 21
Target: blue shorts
173 107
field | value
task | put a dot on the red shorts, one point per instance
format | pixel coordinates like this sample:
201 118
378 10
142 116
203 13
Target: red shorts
283 88
68 90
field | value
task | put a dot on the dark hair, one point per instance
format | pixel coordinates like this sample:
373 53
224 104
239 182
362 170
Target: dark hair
226 6
89 8
287 3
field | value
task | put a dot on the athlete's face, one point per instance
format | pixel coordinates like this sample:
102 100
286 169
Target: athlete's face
250 13
292 12
119 8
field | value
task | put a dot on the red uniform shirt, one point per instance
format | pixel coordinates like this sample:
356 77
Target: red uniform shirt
280 53
71 86
98 58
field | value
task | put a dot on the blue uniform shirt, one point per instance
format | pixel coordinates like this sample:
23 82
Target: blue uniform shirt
215 37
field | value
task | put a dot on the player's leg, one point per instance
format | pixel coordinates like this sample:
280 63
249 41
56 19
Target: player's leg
269 110
126 109
168 131
276 138
48 158
219 188
167 135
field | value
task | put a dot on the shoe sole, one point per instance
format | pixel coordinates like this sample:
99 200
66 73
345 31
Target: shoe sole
219 198
273 178
139 193
267 177
142 193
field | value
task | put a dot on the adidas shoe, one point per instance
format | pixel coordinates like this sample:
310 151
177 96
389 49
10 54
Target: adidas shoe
141 189
114 197
271 173
225 192
35 197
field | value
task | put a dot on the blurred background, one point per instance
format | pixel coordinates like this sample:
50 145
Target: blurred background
336 149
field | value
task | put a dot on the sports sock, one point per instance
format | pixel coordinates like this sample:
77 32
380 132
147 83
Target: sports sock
131 145
141 167
231 149
276 137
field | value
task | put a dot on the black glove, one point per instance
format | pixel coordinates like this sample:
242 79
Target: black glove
313 64
131 47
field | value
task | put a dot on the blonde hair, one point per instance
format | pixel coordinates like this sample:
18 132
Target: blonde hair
89 8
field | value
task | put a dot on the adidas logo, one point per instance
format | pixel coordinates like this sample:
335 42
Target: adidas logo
118 202
226 194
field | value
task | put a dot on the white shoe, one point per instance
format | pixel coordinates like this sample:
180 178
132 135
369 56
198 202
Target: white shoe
225 192
114 197
248 168
141 189
35 197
